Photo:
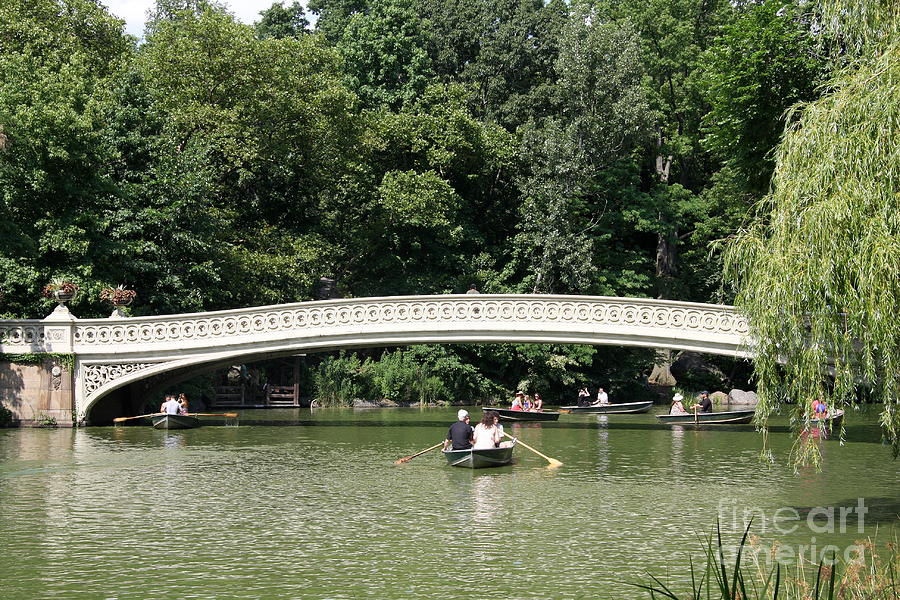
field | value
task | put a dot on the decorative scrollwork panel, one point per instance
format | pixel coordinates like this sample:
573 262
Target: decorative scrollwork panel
97 375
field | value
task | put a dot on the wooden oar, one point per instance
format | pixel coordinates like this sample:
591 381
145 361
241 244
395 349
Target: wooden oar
553 462
564 411
412 456
120 419
232 415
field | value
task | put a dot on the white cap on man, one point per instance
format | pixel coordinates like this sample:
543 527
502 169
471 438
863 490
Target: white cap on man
462 414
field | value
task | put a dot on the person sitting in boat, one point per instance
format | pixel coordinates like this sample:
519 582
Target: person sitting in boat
461 433
170 406
602 397
677 406
583 395
819 408
527 403
183 404
517 401
704 404
487 433
538 404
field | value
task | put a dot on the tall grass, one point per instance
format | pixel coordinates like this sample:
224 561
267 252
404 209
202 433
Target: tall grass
873 577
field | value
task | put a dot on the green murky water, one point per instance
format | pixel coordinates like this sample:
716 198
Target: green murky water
308 504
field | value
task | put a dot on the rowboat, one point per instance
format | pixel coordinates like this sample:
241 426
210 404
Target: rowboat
174 422
479 459
606 409
831 421
507 414
731 417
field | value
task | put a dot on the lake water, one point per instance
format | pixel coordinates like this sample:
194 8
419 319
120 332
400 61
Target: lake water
309 505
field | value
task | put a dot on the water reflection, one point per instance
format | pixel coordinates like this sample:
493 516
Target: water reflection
677 451
174 441
603 449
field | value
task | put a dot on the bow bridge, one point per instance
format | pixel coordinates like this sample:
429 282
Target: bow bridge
115 352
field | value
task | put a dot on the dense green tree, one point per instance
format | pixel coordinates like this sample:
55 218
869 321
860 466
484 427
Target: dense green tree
817 268
436 188
280 21
600 116
761 64
334 15
674 36
385 53
57 59
254 130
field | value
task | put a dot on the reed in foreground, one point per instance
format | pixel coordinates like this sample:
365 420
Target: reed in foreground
873 574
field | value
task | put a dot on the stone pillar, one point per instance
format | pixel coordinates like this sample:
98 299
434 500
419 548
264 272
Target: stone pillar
38 393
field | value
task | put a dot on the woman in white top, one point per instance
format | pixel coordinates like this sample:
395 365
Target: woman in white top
677 406
487 433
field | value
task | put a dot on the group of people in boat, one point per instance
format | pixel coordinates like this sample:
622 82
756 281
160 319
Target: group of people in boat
174 406
703 404
584 397
525 402
487 434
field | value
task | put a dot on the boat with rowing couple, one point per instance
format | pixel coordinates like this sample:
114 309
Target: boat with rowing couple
610 409
174 421
481 458
163 420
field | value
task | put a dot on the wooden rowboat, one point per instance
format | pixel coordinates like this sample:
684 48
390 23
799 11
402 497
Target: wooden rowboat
480 459
831 422
731 417
607 409
507 414
174 422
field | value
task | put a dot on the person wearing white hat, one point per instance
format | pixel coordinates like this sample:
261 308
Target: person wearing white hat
461 434
677 406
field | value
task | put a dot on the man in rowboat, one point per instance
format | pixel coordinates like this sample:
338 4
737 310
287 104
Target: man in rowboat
704 404
461 434
170 406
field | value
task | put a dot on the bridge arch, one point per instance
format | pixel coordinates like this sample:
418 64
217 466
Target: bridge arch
115 352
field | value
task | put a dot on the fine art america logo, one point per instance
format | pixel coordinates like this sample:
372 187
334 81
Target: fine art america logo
789 521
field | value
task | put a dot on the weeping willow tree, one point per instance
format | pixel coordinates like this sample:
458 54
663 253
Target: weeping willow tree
817 269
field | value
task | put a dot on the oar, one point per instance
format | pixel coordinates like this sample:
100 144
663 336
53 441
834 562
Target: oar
232 415
564 410
553 462
412 456
120 419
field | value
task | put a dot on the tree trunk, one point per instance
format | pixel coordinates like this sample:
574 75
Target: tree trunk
666 254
